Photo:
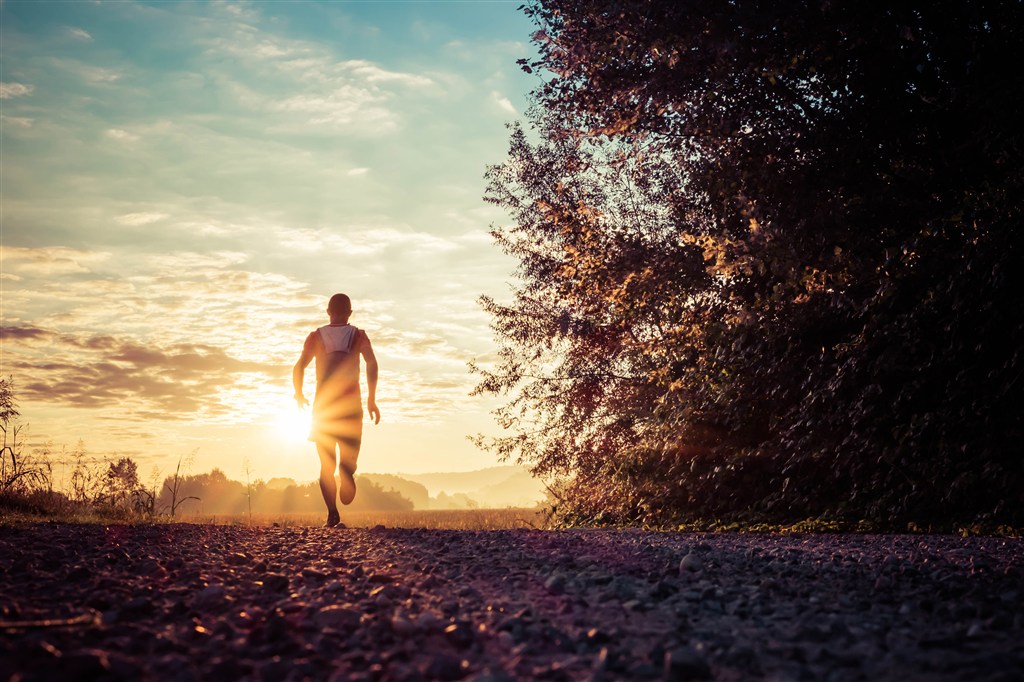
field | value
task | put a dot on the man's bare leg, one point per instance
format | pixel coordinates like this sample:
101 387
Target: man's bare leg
348 449
327 486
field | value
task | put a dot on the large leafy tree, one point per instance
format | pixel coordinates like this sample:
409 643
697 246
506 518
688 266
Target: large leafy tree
769 256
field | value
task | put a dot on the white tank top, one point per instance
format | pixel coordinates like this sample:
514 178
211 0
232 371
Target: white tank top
337 339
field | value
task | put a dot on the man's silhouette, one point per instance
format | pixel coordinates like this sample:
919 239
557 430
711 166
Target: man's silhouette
337 405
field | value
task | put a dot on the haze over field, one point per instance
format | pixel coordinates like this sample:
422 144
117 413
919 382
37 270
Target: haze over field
184 186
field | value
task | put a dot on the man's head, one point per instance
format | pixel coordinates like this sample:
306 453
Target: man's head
340 306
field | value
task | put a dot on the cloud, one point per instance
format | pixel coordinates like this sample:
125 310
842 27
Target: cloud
23 333
9 90
503 102
345 105
121 135
371 73
170 382
363 241
307 82
54 260
358 171
79 33
87 72
20 121
136 219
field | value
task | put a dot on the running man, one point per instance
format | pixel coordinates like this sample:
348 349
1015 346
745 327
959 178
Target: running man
337 405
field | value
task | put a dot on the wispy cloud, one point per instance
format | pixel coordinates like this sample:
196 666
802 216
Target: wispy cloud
503 102
9 90
88 73
79 33
50 261
19 121
121 135
136 219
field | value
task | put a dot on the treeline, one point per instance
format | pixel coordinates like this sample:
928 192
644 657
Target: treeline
770 257
213 493
114 488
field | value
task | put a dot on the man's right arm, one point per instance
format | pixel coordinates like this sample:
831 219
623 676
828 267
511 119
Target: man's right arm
299 371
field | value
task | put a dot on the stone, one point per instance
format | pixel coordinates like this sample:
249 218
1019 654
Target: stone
140 607
275 582
555 584
237 559
85 664
209 597
429 622
443 666
403 627
460 634
390 592
337 617
691 563
686 663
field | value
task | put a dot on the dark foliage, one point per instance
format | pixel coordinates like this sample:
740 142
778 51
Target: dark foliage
769 261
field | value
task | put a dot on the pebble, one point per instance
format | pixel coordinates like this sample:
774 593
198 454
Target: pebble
209 597
460 634
444 666
555 584
685 663
691 563
275 582
337 617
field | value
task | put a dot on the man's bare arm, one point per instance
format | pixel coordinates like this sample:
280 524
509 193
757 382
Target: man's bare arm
298 374
371 378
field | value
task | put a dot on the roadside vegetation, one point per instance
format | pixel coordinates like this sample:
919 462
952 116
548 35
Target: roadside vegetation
769 263
111 490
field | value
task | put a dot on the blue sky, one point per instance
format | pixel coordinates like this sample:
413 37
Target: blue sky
185 184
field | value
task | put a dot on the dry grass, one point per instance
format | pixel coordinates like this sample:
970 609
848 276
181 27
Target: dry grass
445 519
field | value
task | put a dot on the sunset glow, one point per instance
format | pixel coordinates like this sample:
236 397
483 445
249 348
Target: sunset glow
291 424
184 186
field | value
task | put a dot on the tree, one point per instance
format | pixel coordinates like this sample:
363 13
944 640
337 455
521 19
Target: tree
19 471
121 481
768 260
8 403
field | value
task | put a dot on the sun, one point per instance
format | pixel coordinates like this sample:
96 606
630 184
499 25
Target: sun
290 422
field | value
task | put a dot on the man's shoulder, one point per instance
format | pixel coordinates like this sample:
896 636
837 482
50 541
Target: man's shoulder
312 339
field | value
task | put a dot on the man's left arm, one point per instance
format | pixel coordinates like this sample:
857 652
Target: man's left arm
371 378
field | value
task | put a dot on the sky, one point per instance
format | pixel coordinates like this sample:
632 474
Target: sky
183 187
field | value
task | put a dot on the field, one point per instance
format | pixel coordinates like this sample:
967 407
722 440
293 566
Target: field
438 519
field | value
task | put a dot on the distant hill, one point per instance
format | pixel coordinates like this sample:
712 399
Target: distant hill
502 486
281 483
410 490
495 487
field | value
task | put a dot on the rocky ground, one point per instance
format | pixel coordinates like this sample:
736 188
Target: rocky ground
185 602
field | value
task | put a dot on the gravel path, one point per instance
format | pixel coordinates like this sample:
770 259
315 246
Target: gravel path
188 602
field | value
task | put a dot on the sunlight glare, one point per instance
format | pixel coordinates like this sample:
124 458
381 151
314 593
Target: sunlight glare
292 423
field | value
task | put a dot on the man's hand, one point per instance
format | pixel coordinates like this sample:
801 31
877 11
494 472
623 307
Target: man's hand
301 401
371 407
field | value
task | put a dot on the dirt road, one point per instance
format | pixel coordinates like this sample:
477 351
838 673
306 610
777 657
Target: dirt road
197 602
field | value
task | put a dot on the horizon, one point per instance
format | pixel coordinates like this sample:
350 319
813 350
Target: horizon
181 186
